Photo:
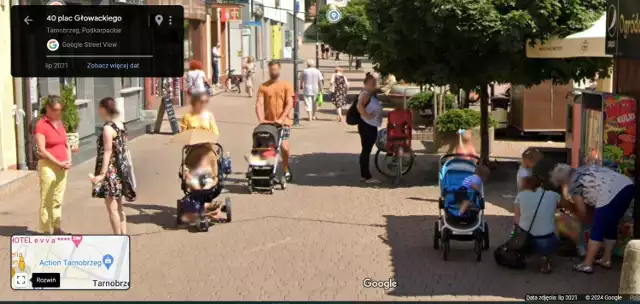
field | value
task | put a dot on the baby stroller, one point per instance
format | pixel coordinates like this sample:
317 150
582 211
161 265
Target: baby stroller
451 225
261 175
205 195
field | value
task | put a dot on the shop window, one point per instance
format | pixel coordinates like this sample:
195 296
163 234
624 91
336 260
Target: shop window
69 81
126 82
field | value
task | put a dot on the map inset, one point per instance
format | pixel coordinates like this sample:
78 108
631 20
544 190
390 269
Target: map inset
70 262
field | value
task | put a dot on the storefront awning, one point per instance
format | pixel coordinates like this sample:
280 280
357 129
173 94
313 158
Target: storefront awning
588 43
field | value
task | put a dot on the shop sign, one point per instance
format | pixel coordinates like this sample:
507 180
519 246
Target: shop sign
623 28
619 152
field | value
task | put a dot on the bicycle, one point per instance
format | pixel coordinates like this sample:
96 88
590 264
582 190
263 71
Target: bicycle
232 83
394 145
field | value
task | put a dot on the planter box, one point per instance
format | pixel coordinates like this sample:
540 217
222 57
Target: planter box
420 118
446 142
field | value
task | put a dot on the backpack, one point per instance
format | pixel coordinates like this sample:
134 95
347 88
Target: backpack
353 116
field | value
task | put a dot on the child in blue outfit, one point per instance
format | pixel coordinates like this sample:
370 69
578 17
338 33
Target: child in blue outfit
474 182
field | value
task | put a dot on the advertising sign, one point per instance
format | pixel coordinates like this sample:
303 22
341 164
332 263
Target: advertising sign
623 28
619 151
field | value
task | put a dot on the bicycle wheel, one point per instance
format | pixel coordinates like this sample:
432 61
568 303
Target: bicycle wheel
387 163
399 160
382 161
227 84
409 159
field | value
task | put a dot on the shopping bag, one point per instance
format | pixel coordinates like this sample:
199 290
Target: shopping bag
320 99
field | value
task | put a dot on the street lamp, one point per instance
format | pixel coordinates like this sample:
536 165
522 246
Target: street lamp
317 40
296 111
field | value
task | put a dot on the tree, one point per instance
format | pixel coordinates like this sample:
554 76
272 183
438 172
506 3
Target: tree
472 43
350 35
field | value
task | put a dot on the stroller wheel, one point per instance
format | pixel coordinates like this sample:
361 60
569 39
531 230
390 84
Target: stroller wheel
485 236
283 182
445 250
478 248
179 214
444 243
227 208
436 236
203 224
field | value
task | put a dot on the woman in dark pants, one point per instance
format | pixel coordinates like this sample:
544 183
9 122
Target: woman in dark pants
370 110
607 194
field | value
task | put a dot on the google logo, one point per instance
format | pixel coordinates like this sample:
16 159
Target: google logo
53 45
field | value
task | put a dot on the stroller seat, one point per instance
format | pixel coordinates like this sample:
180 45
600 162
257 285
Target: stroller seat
452 201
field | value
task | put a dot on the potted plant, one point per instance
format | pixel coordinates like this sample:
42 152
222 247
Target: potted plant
421 106
70 115
447 126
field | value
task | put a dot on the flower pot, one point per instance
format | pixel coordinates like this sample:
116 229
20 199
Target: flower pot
73 140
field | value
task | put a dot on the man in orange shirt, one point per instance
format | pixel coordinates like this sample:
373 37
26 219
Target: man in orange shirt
273 105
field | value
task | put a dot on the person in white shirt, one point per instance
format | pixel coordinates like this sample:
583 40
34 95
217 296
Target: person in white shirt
311 85
606 192
215 52
196 79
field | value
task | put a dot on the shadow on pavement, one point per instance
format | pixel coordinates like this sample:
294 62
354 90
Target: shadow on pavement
420 270
17 230
342 169
162 216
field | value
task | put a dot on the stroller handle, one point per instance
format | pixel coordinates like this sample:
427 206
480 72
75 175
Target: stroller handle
275 124
445 157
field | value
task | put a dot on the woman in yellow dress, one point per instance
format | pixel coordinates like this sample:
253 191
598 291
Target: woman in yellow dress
202 119
199 117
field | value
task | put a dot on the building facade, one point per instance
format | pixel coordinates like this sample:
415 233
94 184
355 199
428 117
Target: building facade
274 37
8 155
127 91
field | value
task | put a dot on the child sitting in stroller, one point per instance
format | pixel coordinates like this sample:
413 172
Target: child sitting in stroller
200 175
474 182
262 156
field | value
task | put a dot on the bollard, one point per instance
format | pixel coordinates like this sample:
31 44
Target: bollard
630 276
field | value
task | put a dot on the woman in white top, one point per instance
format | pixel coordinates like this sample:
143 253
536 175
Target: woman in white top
370 110
196 79
608 194
534 211
249 71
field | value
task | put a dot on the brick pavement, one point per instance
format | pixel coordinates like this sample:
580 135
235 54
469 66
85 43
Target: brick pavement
317 240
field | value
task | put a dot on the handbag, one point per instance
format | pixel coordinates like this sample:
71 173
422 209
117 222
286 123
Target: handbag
133 175
320 99
522 241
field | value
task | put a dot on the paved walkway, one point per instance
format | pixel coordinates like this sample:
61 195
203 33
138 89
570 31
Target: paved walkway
317 240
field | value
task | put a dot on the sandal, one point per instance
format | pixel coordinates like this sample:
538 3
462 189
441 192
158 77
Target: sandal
583 268
546 266
603 264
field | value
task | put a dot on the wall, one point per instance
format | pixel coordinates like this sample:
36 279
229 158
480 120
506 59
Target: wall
7 122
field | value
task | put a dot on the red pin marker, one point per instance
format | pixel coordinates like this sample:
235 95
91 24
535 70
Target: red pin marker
76 239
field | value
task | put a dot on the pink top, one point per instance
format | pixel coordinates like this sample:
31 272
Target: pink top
55 138
467 149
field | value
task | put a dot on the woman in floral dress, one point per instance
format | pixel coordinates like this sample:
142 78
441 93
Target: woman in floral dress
339 88
113 179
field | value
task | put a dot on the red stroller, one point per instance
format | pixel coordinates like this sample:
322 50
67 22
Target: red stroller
394 157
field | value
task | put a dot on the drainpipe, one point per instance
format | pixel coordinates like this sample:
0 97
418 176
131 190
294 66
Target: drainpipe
19 114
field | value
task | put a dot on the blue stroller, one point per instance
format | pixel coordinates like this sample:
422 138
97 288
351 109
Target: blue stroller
451 225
